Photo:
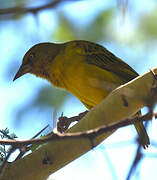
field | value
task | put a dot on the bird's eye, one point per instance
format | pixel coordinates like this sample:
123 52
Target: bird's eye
31 56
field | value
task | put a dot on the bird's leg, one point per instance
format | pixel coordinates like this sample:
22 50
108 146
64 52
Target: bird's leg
64 122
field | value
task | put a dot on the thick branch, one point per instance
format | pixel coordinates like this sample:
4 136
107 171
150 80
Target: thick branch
56 154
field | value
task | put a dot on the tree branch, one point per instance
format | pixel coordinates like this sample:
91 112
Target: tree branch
89 134
34 10
64 148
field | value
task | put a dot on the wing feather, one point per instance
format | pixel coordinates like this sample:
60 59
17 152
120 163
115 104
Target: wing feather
99 56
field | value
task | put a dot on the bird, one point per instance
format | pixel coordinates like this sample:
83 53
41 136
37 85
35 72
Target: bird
85 69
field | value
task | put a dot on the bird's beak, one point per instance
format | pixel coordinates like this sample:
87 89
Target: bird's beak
24 68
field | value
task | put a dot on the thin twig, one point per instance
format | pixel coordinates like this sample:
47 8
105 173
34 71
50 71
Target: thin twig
4 164
34 10
40 132
90 134
24 148
136 161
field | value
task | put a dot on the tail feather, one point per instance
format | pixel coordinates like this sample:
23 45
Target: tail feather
143 136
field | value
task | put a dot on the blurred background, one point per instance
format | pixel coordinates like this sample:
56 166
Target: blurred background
126 28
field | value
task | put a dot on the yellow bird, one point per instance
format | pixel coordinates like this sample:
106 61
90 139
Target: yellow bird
87 70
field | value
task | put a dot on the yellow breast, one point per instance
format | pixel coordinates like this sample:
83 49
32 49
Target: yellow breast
89 83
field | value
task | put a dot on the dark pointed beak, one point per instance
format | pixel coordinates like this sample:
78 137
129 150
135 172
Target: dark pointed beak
24 68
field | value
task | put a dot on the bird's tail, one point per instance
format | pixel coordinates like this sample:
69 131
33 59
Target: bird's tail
143 136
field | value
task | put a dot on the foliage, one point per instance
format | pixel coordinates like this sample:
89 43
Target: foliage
5 134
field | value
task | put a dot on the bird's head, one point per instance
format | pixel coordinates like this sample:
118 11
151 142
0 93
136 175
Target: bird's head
38 60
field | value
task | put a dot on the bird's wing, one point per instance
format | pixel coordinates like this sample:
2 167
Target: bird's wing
99 56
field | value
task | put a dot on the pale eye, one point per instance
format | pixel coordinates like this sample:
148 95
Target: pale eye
31 56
